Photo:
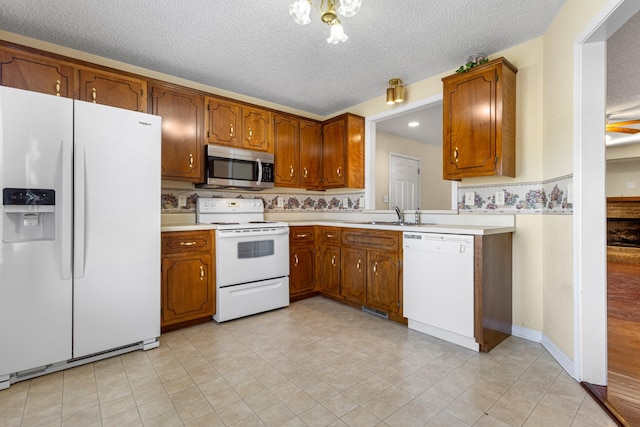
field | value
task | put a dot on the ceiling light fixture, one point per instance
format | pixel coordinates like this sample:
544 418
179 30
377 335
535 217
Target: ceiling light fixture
300 10
395 92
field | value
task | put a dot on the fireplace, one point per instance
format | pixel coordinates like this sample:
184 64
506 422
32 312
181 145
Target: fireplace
623 232
623 229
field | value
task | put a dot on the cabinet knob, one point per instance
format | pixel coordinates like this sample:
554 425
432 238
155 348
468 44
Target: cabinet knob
339 171
187 243
57 87
290 170
94 94
191 160
201 273
333 260
230 129
295 257
301 236
306 172
250 133
375 267
358 264
455 154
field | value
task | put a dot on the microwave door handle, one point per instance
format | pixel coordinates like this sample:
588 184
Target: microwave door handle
259 172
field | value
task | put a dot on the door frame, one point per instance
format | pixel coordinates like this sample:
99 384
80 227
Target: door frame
370 147
589 215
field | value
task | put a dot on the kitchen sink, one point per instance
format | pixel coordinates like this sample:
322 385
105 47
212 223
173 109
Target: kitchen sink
380 222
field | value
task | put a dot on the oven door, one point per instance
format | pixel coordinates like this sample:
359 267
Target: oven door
250 255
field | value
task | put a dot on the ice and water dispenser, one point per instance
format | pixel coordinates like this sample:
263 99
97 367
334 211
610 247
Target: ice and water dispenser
28 214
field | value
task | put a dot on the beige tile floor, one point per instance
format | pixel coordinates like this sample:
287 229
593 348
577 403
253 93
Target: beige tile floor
316 363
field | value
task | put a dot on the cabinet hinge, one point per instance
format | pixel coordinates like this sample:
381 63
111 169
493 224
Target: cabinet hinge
208 107
497 75
141 92
496 160
398 303
207 134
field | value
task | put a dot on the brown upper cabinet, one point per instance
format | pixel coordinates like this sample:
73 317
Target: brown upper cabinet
297 149
182 114
28 70
343 152
479 121
238 125
115 90
37 73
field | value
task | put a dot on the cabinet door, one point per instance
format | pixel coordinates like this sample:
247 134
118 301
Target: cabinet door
329 277
224 122
285 131
187 291
23 70
383 285
479 121
333 154
354 275
310 148
301 275
111 89
182 127
256 129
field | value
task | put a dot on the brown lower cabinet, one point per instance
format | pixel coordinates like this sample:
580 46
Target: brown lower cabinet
188 277
302 256
360 267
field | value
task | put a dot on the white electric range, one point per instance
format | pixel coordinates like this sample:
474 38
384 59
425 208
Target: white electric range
252 257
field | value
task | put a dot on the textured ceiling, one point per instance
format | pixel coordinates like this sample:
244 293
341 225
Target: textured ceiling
253 47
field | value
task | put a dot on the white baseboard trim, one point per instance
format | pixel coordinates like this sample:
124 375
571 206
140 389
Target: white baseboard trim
561 358
555 352
526 333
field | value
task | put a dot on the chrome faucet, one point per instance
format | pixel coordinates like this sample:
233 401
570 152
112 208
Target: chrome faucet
418 215
398 212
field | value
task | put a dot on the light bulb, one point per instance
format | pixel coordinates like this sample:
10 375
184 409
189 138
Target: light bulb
349 8
299 11
337 34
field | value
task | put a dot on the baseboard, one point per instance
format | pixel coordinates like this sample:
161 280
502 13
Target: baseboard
527 334
536 336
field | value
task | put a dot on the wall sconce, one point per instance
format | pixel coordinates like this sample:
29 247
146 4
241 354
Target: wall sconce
395 91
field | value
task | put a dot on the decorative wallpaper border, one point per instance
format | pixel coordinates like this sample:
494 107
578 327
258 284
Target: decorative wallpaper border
171 200
546 197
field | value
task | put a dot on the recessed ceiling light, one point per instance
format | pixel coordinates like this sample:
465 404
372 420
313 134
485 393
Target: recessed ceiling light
414 124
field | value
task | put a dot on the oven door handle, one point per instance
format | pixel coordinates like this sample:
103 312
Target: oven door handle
226 234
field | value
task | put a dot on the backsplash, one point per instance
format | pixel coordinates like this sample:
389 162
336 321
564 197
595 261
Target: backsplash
171 200
546 197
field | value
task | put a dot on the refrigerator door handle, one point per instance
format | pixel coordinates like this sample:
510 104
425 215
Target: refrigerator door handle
66 200
79 210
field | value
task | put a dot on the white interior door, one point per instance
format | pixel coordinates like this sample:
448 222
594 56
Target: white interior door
404 181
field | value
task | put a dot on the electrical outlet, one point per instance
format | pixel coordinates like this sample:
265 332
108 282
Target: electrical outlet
345 203
361 203
182 201
569 193
385 198
469 198
280 202
500 198
631 184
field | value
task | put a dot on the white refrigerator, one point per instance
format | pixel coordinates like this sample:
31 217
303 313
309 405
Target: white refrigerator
79 232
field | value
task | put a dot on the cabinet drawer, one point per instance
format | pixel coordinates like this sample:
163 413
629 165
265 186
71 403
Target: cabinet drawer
301 234
177 242
375 239
330 235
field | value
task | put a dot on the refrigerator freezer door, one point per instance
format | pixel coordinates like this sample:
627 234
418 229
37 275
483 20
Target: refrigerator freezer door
36 134
117 228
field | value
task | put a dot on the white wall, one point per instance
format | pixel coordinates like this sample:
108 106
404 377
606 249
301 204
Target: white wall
619 174
435 192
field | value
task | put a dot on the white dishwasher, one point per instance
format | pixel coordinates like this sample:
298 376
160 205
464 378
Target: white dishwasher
438 287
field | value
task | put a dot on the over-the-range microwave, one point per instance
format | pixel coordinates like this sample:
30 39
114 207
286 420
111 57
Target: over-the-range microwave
230 167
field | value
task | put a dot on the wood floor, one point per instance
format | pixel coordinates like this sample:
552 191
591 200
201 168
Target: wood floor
623 316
